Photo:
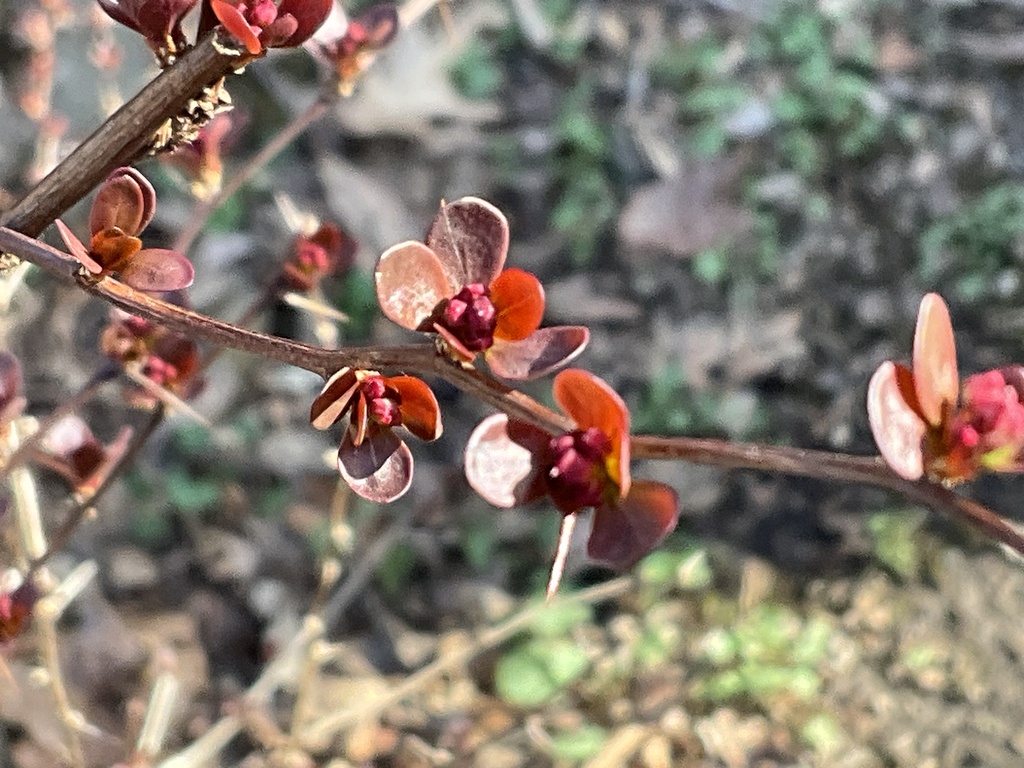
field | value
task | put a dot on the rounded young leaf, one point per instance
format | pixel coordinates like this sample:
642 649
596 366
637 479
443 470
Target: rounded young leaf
470 237
518 298
379 469
935 372
410 283
898 429
158 269
77 248
309 14
540 353
234 22
502 461
421 414
623 533
126 200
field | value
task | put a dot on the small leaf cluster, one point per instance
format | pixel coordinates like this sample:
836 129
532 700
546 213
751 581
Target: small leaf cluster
455 287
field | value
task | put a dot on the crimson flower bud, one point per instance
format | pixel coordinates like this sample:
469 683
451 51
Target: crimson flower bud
470 317
578 475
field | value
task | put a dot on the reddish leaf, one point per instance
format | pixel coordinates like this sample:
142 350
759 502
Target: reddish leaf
935 373
77 249
235 23
421 414
539 353
592 403
155 19
119 203
898 429
380 469
518 297
16 610
67 435
410 283
309 14
158 269
334 399
470 237
502 461
622 534
363 459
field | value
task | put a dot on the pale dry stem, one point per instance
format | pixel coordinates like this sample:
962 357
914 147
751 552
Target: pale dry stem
318 735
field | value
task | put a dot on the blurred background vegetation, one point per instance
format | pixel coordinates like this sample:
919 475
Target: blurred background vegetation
745 202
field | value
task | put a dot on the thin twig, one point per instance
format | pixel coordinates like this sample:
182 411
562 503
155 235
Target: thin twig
122 138
282 669
65 408
408 14
74 516
422 359
270 150
835 467
318 734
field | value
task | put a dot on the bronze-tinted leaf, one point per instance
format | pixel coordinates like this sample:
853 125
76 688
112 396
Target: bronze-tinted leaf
935 372
380 469
158 269
309 14
592 403
470 237
421 414
622 534
503 460
410 283
77 248
363 460
898 429
123 202
334 399
539 353
518 298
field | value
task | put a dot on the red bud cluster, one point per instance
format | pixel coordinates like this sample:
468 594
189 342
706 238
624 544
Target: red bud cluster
169 360
926 425
263 24
454 285
328 251
121 210
510 462
159 21
376 462
364 36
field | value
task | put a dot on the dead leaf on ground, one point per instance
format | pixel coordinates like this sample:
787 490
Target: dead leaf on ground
687 213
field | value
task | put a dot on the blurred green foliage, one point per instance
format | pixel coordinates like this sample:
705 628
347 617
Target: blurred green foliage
977 240
668 405
768 652
897 541
586 204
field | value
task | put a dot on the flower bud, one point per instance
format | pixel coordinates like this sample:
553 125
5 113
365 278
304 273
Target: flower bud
471 318
578 476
